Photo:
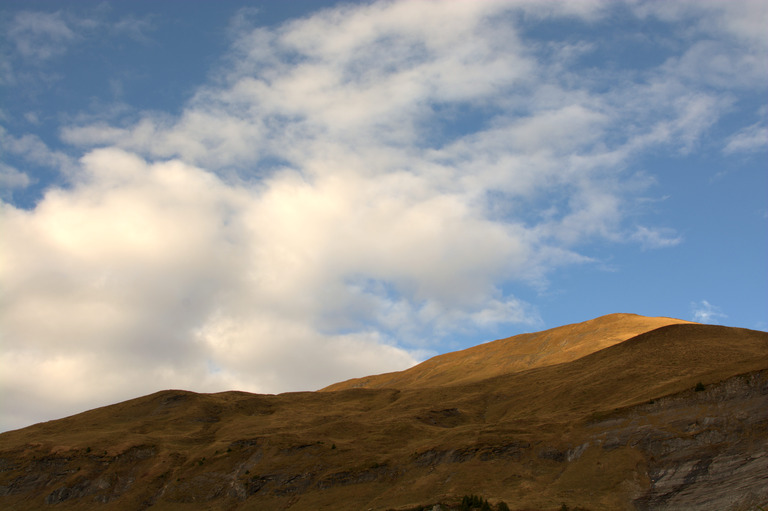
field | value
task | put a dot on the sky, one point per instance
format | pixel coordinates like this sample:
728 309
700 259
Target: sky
276 196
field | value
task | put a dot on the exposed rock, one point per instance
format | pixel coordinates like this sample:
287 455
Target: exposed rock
448 418
718 462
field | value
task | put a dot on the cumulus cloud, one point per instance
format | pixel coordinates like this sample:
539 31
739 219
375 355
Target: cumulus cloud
350 189
176 278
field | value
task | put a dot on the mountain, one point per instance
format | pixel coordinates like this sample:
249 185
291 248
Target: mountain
515 354
620 412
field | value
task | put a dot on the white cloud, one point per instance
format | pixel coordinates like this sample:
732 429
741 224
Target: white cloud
351 189
31 42
11 178
34 151
40 35
705 312
729 39
657 237
135 28
749 139
742 20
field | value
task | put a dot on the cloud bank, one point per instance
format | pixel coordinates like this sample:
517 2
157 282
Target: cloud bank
348 190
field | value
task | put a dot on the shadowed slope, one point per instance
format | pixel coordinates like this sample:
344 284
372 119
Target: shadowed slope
515 354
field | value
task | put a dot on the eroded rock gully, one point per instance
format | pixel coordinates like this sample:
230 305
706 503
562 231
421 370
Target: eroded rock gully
705 450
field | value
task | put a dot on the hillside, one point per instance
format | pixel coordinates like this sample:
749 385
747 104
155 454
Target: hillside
666 418
515 354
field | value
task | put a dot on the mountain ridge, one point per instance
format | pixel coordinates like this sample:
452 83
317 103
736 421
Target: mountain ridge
517 353
672 418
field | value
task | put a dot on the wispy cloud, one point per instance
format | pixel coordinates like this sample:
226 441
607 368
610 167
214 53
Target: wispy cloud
750 139
11 178
705 312
656 237
31 39
28 151
40 35
728 41
33 150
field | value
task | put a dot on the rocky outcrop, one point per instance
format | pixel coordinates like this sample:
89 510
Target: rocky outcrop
713 453
78 475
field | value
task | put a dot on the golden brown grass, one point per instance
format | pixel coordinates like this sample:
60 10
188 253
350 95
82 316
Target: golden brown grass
515 354
475 421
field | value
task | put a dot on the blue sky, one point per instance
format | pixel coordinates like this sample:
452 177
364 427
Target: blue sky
274 196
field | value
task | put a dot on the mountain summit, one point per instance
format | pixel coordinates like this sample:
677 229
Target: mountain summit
515 354
620 412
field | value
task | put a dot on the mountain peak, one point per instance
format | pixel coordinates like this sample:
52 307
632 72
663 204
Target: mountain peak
517 353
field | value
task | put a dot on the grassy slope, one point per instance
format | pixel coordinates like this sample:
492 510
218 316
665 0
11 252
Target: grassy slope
515 354
400 446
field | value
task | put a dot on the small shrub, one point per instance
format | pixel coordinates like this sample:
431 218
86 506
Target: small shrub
470 502
699 387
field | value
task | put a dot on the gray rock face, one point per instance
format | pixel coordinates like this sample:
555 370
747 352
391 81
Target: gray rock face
723 482
707 450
